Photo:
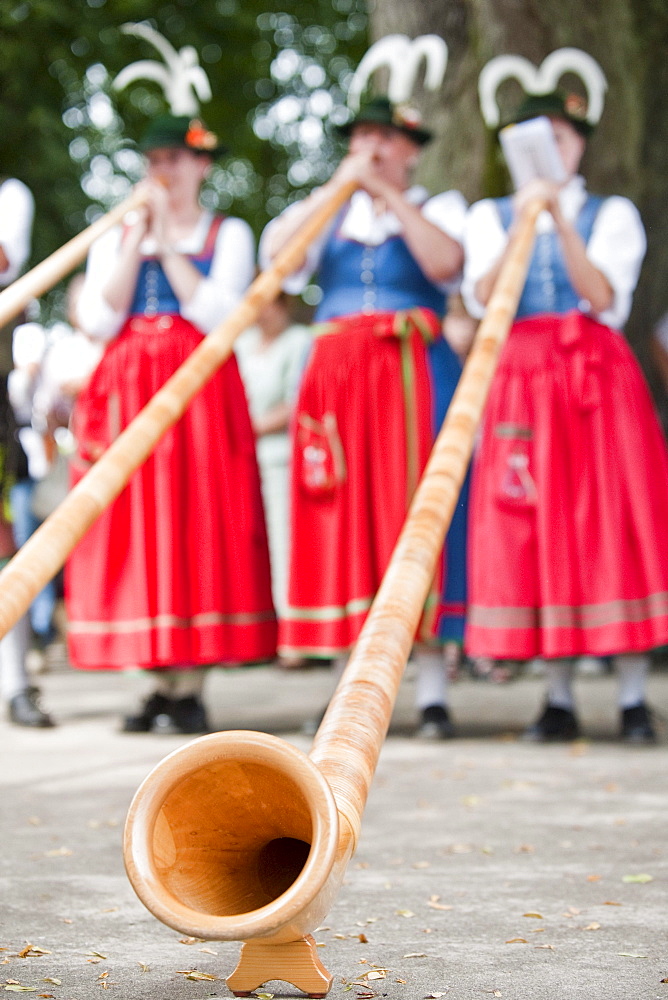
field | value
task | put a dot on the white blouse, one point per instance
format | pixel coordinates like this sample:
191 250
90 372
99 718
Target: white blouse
17 209
232 270
616 247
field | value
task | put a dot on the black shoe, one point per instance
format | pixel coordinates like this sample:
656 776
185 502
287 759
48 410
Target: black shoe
637 725
554 726
24 710
188 715
435 724
154 708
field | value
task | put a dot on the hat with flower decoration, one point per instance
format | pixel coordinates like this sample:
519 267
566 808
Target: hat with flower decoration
381 111
571 108
184 84
542 93
181 132
403 58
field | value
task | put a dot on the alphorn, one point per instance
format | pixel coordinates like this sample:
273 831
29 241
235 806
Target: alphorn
45 552
239 835
46 274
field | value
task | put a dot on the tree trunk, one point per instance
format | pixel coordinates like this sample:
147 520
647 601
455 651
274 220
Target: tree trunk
626 155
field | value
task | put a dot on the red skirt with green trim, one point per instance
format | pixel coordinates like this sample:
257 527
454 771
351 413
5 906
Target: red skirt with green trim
363 431
176 572
569 506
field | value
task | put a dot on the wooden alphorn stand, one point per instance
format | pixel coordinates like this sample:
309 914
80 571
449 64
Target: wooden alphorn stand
263 865
47 549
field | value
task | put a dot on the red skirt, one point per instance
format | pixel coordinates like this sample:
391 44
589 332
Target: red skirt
569 508
363 432
175 573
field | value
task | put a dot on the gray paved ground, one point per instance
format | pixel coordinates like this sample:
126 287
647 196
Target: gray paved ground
487 867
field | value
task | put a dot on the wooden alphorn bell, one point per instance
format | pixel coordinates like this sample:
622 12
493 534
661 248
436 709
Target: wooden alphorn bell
241 836
47 549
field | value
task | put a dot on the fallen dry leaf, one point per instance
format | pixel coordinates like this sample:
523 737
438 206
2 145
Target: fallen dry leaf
610 902
638 878
415 954
16 988
630 954
404 913
536 916
594 878
54 982
191 940
97 954
517 941
362 938
439 906
592 927
59 852
194 974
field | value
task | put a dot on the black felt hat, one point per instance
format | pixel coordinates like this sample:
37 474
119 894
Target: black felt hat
381 111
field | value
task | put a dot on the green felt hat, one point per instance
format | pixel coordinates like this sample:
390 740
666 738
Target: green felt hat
570 108
380 111
181 132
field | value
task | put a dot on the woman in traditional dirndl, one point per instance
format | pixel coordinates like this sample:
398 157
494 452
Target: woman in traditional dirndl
373 396
175 575
569 507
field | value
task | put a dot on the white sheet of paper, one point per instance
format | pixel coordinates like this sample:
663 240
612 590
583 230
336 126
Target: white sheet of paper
531 152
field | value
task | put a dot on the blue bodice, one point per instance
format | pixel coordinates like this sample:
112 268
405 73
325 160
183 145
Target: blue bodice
548 288
154 294
357 277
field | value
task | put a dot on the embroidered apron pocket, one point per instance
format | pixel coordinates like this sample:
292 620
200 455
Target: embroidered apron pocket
515 486
319 457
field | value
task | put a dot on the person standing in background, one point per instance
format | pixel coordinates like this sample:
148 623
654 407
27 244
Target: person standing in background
374 394
174 576
272 355
17 210
569 510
